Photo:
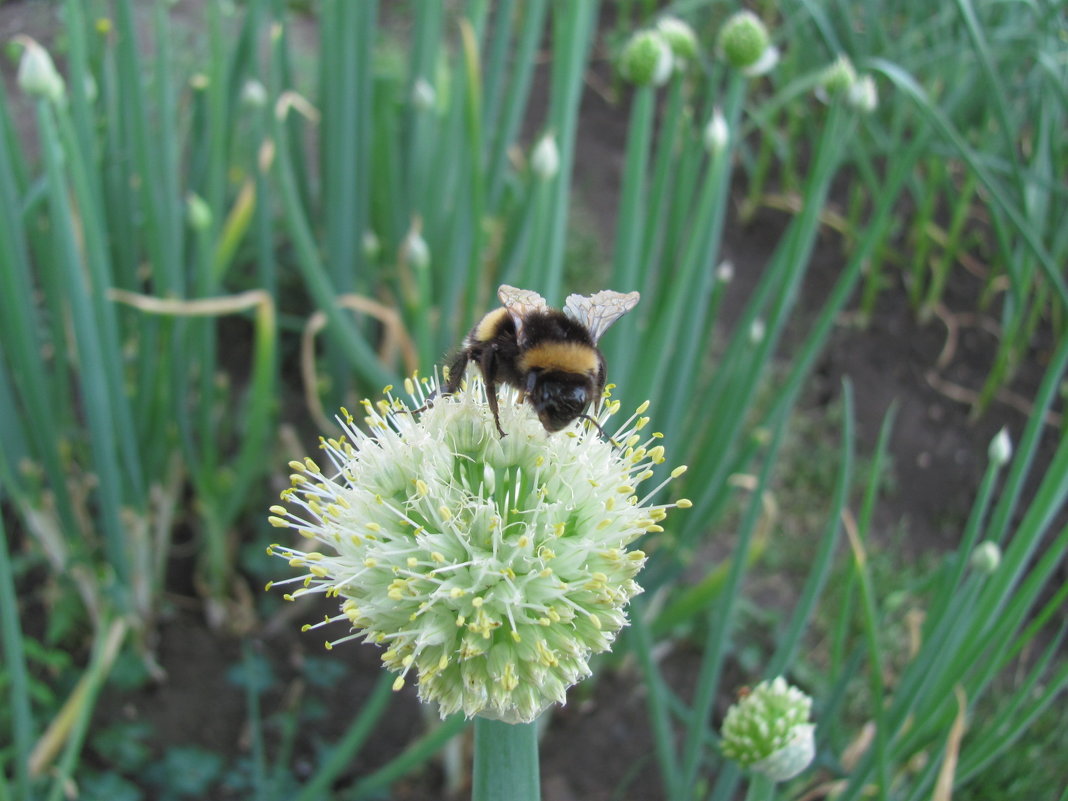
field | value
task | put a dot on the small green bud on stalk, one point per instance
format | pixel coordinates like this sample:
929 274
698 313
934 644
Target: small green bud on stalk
864 94
646 59
1000 450
416 250
424 96
717 133
836 80
253 94
680 38
198 212
768 730
371 245
37 75
545 159
986 558
746 45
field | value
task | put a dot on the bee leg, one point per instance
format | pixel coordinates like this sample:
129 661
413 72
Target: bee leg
456 375
488 364
456 372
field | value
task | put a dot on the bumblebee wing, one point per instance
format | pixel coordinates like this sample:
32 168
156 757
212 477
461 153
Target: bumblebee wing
598 312
520 302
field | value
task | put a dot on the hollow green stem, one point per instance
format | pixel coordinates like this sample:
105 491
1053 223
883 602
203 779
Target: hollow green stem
506 761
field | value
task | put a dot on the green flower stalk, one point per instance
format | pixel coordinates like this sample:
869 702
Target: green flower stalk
768 731
490 568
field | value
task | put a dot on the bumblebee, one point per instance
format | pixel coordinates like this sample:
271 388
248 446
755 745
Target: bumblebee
549 355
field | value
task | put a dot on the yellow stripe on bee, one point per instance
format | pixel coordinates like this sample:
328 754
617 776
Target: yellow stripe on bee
568 357
488 325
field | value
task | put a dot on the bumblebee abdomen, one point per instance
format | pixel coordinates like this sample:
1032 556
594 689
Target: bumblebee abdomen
497 322
561 356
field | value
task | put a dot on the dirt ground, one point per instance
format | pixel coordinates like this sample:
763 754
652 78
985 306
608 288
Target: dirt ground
602 735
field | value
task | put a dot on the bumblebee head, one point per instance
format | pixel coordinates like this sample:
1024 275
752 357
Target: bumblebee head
558 398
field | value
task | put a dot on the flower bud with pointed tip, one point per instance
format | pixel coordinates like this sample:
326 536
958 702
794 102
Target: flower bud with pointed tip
680 38
716 134
863 95
198 211
768 731
424 96
371 245
646 59
37 75
746 45
253 94
1000 450
986 557
545 158
416 250
757 331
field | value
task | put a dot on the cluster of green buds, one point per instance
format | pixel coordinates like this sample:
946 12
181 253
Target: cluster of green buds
651 55
841 80
768 730
490 568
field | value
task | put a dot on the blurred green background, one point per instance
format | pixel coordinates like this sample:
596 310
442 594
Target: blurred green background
222 220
